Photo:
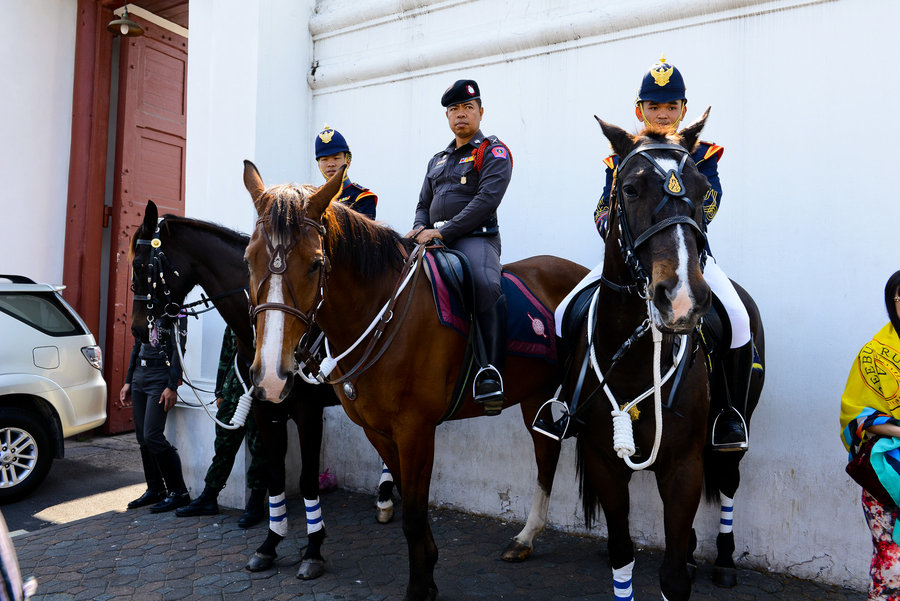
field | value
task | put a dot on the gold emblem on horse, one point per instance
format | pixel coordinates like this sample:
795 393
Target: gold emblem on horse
673 186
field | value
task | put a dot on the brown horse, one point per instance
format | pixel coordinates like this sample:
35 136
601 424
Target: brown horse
652 283
314 261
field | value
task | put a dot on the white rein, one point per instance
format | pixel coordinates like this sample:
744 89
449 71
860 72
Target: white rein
623 432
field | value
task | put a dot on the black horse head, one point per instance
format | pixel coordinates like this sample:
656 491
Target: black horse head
656 221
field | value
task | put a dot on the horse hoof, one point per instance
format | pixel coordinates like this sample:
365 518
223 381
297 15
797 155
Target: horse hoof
260 561
516 552
384 516
692 571
724 577
311 569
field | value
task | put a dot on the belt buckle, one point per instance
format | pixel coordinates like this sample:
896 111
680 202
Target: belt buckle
143 363
439 224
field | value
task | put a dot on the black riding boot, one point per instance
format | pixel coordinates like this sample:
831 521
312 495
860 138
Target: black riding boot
170 467
255 510
156 488
205 504
488 387
729 431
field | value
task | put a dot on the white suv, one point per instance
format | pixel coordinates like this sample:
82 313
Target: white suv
51 382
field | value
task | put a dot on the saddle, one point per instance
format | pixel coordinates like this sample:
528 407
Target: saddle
530 326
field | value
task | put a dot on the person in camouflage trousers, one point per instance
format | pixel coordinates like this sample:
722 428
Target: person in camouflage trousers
227 443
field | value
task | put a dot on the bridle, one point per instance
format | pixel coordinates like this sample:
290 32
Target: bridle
278 266
673 190
156 280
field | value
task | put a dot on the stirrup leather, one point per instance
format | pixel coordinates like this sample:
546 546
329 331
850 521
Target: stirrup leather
730 446
538 425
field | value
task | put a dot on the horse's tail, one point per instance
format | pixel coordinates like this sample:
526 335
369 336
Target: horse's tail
590 502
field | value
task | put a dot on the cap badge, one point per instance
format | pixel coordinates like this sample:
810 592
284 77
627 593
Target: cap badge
470 90
326 135
661 74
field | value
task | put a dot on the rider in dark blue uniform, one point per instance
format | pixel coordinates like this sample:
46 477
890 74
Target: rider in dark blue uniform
332 151
463 187
662 101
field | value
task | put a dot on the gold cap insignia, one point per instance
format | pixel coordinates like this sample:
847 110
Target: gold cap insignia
326 135
156 243
661 73
673 186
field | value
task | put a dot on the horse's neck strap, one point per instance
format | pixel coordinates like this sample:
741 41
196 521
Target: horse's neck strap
411 268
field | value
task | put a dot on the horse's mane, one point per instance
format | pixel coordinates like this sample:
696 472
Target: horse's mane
659 133
351 238
230 236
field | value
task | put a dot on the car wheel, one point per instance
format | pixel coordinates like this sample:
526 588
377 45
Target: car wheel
25 453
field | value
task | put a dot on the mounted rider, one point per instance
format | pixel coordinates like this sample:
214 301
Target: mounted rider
662 101
332 151
463 187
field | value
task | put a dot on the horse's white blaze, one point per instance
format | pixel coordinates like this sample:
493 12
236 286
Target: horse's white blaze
681 298
270 354
537 517
667 164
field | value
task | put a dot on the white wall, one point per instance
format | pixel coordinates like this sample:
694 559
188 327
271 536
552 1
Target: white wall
36 105
805 224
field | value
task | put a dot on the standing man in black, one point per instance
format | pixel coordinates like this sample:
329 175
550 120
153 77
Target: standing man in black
463 187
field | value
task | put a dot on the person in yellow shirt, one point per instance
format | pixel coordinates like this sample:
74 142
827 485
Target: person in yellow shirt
870 407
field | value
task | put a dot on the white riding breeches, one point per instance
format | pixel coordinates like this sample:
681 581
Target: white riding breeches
718 282
723 289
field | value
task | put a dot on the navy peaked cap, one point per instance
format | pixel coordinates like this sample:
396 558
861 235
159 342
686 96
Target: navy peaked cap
461 91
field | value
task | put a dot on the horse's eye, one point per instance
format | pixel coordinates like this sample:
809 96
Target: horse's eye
629 190
315 266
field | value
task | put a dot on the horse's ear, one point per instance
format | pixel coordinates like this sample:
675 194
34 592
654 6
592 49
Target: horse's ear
621 141
691 133
151 216
320 199
255 186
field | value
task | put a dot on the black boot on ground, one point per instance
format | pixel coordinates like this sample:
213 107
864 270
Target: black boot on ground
156 488
255 510
170 468
206 504
488 386
729 432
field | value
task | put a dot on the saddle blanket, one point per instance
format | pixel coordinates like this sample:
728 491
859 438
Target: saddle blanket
530 333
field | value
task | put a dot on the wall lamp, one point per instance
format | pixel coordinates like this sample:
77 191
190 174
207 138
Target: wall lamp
125 26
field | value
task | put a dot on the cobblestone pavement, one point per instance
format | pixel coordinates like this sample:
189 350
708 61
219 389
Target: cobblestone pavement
142 556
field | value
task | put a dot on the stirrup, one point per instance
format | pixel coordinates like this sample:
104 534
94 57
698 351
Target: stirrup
563 422
730 446
491 396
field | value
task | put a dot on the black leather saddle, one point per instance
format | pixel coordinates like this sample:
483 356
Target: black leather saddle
453 268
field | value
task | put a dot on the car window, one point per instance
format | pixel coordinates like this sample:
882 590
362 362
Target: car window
42 311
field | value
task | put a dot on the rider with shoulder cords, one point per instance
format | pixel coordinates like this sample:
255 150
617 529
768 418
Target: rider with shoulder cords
662 101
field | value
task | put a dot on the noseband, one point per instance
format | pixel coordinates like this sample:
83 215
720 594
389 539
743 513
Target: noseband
673 190
278 266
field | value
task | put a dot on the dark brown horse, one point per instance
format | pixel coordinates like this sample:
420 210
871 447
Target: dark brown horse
189 253
315 261
652 287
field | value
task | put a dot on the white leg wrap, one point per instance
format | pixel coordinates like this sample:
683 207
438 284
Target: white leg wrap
314 521
622 582
278 522
385 474
726 517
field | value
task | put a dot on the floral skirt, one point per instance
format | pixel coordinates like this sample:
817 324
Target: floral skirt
885 569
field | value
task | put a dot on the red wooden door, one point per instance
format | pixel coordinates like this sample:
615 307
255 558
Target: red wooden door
149 165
